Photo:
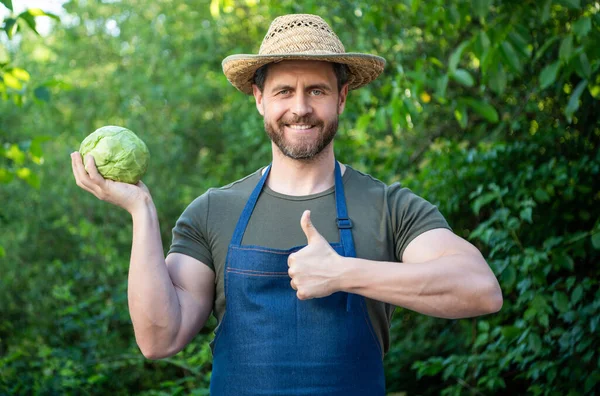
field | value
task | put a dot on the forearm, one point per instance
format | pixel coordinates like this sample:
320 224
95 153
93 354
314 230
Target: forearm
453 286
153 301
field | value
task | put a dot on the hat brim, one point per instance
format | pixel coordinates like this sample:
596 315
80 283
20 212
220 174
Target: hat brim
363 68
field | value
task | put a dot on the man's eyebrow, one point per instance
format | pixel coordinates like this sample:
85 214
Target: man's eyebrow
321 86
281 87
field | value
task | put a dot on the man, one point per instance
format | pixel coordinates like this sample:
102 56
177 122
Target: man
303 261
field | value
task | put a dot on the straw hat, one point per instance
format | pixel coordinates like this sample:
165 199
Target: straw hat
303 37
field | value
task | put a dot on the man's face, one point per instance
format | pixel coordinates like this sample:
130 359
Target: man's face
300 104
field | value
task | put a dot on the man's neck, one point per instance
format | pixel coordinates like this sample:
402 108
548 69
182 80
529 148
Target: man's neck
299 177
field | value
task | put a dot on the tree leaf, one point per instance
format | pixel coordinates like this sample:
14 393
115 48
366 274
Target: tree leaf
525 215
441 85
546 10
577 294
11 27
582 27
215 9
42 93
511 57
566 49
461 116
484 109
573 4
7 4
463 77
19 73
455 56
11 81
481 7
582 66
573 104
545 47
596 240
30 20
560 301
35 12
548 74
497 78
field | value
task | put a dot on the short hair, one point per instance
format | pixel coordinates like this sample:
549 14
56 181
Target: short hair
341 73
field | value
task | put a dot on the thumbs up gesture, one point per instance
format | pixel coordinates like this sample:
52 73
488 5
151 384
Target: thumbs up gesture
314 269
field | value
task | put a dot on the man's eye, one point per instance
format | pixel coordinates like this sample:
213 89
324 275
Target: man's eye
284 92
316 92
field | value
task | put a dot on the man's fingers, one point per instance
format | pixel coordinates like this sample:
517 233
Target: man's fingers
92 170
81 176
312 235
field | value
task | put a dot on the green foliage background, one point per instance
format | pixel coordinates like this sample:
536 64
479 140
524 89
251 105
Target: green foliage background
487 108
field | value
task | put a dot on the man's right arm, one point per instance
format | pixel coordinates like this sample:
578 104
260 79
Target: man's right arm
169 300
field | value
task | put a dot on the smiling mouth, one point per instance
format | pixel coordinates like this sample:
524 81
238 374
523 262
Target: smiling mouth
299 127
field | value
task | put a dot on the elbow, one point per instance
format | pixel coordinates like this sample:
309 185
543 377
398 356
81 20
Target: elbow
154 352
493 299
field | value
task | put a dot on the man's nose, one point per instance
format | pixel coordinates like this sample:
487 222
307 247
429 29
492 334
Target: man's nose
301 105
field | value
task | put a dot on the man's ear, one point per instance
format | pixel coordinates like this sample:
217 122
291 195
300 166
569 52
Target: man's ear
258 96
342 98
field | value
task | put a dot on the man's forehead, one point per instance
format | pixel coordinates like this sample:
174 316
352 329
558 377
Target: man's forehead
295 67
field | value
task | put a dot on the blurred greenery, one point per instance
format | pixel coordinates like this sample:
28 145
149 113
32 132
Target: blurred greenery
487 108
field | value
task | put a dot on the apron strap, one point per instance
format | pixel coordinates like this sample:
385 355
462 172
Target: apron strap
344 225
240 228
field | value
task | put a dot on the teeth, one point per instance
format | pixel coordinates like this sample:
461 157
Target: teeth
299 126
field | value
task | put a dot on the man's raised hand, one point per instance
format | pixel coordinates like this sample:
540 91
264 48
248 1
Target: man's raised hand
127 196
314 269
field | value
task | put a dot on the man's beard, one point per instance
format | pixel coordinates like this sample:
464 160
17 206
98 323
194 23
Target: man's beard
307 148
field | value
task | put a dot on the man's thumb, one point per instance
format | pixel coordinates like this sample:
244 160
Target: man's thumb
309 229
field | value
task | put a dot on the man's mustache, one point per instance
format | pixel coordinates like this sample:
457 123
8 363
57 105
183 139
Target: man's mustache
301 120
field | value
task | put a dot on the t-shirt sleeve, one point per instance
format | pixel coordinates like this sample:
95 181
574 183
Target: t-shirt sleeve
190 234
411 216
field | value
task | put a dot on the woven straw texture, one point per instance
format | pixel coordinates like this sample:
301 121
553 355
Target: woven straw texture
301 37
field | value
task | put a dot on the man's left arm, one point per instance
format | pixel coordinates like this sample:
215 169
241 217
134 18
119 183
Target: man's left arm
440 275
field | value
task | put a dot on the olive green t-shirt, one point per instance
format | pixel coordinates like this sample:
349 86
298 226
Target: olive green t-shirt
385 220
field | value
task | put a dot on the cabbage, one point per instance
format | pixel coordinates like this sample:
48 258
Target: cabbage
119 154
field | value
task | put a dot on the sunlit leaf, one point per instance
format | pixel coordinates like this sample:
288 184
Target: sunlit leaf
35 12
215 9
30 20
11 26
11 81
21 74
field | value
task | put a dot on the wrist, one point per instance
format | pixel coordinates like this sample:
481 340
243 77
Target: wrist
142 206
347 267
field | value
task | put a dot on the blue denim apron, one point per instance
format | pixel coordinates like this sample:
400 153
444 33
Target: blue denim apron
272 343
